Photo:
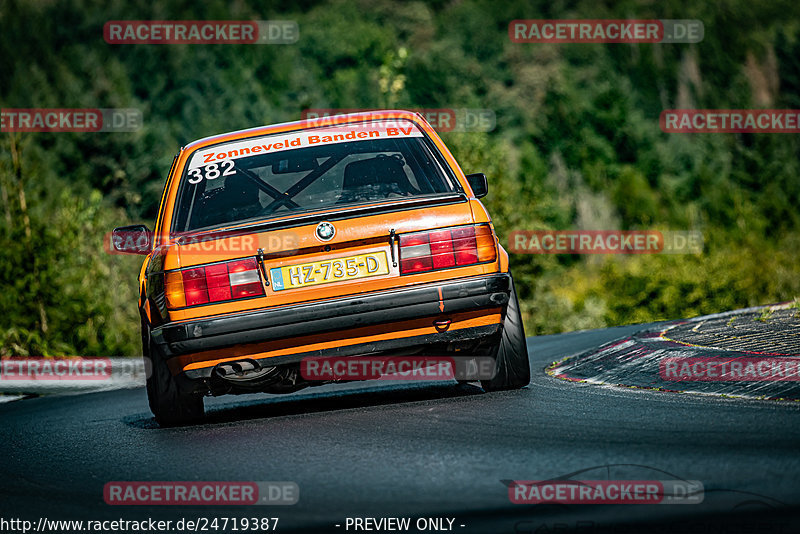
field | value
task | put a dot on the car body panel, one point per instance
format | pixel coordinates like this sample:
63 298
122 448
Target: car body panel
289 239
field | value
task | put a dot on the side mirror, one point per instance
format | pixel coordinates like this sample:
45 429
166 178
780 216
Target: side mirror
135 239
478 184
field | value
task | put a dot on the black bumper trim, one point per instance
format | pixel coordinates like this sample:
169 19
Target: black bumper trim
464 334
344 313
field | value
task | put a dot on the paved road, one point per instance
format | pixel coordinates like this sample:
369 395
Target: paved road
438 450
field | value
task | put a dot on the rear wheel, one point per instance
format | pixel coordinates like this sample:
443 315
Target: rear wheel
171 401
512 368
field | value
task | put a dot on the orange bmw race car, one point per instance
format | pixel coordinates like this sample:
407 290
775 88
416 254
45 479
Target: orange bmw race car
340 236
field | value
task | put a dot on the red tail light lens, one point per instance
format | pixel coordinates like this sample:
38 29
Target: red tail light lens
415 255
217 282
465 245
195 287
442 249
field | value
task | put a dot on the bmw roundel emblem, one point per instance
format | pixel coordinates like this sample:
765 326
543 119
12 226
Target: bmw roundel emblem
325 231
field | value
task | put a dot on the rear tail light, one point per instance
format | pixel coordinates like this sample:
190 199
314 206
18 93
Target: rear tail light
442 249
217 282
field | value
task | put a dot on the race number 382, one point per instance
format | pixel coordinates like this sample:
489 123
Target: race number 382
211 171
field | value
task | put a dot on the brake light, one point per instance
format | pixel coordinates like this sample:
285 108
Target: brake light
217 282
442 249
465 245
195 286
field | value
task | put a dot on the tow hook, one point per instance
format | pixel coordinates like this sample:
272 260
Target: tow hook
441 325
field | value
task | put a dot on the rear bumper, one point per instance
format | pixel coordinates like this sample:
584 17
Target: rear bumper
428 300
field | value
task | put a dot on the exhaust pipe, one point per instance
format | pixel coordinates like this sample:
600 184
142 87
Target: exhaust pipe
242 370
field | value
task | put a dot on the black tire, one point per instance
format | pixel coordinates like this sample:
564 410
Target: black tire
512 367
171 401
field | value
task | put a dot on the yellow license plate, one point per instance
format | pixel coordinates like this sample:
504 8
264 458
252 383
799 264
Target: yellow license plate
324 272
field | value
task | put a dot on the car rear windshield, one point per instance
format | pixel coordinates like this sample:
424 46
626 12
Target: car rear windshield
320 168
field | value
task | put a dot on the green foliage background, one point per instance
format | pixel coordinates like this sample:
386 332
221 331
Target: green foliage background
577 145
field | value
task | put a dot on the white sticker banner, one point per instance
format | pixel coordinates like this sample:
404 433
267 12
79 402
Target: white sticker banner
304 139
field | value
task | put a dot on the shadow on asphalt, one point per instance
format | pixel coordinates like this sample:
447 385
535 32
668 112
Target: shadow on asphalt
271 406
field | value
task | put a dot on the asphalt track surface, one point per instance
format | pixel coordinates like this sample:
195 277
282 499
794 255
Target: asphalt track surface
419 450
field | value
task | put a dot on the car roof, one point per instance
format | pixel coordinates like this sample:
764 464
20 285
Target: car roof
306 124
